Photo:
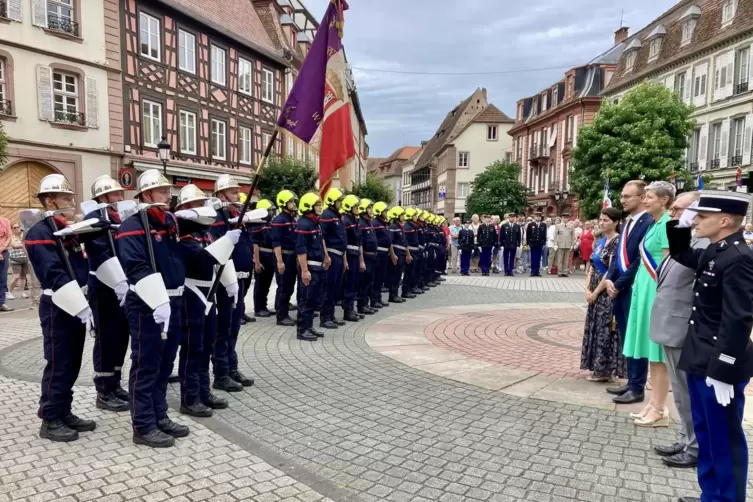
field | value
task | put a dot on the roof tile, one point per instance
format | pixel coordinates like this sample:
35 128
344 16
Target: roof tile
493 115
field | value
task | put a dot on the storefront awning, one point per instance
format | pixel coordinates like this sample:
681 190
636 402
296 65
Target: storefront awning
193 174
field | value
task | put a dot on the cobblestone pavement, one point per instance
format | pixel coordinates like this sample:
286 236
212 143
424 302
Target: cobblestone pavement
352 424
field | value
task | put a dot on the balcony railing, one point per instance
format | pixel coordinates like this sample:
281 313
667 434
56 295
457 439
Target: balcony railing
73 118
62 24
737 160
741 88
539 152
714 164
6 107
693 167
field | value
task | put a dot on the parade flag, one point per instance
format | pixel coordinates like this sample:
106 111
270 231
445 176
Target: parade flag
318 109
700 181
607 196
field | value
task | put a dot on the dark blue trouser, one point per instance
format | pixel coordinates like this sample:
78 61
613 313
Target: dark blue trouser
264 281
637 369
380 276
441 263
111 342
333 279
419 273
508 256
228 327
196 348
4 264
352 277
285 286
366 281
722 449
152 361
485 260
535 260
207 352
308 299
465 261
235 324
409 275
395 274
64 336
429 260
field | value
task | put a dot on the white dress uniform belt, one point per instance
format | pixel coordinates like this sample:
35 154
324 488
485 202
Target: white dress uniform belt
314 263
335 251
413 248
288 251
353 248
434 244
421 247
49 292
266 250
401 248
198 283
170 292
384 249
194 285
243 275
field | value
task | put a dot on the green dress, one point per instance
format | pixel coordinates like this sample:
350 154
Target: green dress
638 345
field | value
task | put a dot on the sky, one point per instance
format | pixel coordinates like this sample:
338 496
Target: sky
440 36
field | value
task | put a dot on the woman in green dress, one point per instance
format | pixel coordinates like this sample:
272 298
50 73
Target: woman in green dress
638 345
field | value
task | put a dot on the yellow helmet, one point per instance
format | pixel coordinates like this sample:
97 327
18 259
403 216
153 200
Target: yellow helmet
379 208
265 204
332 196
410 213
307 203
395 212
284 197
349 202
364 205
422 214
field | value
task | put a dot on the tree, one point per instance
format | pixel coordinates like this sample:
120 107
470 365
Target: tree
497 190
643 136
3 146
373 188
287 173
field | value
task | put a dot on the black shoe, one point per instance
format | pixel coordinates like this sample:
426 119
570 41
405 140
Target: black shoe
248 318
244 322
376 305
241 378
173 379
340 322
214 402
155 439
79 424
263 313
196 410
409 295
292 307
668 451
442 279
328 325
175 430
629 397
396 299
431 285
361 316
307 336
317 333
618 391
110 402
57 431
688 499
286 322
227 384
681 460
122 394
366 311
351 316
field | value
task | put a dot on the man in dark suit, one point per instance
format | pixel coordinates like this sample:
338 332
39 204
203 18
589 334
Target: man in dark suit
465 243
620 277
718 353
511 237
487 239
536 240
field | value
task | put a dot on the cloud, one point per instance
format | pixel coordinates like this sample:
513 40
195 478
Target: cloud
471 36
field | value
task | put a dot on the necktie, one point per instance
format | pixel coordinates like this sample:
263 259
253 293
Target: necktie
627 227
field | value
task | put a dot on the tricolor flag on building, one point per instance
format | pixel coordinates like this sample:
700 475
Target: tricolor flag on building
607 196
318 108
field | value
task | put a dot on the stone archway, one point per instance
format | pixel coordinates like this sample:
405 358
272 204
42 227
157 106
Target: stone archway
19 184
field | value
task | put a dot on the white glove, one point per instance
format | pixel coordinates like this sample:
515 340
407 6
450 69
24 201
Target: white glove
555 249
232 291
246 219
686 220
121 289
162 315
63 232
233 235
725 392
187 214
85 316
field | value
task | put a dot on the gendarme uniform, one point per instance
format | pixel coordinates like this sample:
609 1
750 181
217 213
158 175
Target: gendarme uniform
309 249
369 244
400 247
718 353
384 250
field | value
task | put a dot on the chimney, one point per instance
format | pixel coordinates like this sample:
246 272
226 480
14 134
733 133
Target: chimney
483 92
424 143
621 35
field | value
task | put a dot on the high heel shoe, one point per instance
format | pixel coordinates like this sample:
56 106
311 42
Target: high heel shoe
642 413
662 421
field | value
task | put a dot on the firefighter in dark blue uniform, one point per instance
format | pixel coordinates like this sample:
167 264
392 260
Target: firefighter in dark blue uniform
410 230
432 245
264 259
443 248
385 253
354 264
231 305
369 246
63 310
335 247
400 247
107 290
283 242
419 276
312 264
201 253
718 353
154 308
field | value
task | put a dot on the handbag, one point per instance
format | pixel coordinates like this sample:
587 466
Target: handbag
18 256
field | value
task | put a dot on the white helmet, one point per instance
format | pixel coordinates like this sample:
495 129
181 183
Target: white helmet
54 183
190 193
151 178
224 182
105 184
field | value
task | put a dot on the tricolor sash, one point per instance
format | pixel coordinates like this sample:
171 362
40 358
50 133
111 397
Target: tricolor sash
622 255
596 257
648 260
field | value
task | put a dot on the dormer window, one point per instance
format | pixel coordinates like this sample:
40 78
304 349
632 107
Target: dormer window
543 103
728 11
631 52
554 96
654 39
689 19
654 48
630 61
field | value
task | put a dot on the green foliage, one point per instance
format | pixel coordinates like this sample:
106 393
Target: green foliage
644 135
497 190
287 173
373 188
3 146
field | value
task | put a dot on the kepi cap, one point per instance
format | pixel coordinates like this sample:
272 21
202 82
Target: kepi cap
721 201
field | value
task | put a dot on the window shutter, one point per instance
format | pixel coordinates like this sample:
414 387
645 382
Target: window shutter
15 10
747 138
44 92
724 144
702 71
715 94
688 86
39 13
575 131
669 82
750 66
92 109
729 91
702 144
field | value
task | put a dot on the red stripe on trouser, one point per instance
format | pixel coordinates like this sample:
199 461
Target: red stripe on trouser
136 379
184 383
52 362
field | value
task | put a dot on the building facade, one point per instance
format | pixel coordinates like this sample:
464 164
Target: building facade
546 131
57 71
390 169
703 50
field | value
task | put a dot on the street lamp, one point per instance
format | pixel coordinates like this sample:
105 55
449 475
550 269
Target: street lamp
164 153
679 185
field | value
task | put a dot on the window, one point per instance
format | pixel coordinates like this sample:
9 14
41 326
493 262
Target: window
299 151
3 91
149 36
218 65
654 48
463 159
570 127
555 95
699 85
244 76
462 190
491 133
738 131
508 157
520 149
728 10
265 137
687 31
60 16
219 136
245 145
680 84
695 149
152 124
716 145
570 87
742 66
65 97
630 61
186 51
267 86
720 73
543 102
291 150
187 132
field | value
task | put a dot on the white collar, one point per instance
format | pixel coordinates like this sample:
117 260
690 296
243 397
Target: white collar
637 216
